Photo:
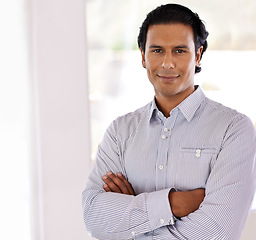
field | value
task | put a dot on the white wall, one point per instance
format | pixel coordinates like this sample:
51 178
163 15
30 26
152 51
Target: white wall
60 133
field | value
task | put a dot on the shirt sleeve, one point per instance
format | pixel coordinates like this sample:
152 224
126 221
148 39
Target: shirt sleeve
229 189
118 216
222 215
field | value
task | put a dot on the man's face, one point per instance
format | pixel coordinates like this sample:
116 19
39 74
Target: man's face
170 60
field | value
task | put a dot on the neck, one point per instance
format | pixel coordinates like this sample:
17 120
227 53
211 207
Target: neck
166 103
165 106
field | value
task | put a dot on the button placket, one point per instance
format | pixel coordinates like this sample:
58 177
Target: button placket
161 161
163 146
165 133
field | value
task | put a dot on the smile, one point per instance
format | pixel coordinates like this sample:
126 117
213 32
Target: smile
168 78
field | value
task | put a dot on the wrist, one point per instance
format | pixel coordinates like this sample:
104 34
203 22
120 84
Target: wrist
172 201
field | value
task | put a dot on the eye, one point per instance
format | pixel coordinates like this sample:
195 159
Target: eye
157 50
180 51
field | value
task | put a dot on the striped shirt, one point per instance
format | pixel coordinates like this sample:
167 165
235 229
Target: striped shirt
202 144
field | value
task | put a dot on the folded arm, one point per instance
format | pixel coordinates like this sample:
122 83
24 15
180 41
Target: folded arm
221 215
182 203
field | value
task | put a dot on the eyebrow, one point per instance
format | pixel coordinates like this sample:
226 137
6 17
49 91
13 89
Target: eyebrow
154 46
179 46
182 46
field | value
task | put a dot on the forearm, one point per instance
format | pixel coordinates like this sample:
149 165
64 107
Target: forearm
181 203
120 216
185 202
222 215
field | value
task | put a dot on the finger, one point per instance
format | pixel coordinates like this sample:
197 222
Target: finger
118 182
106 188
127 184
113 187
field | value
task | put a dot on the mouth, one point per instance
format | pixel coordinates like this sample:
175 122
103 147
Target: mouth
168 78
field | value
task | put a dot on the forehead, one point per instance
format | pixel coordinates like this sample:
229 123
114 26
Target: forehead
170 34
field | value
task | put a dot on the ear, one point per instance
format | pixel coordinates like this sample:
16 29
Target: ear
143 58
198 55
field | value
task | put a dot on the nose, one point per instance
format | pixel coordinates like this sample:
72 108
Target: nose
168 61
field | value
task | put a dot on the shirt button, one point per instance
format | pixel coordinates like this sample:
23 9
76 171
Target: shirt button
133 233
198 153
162 221
161 167
172 221
163 137
165 129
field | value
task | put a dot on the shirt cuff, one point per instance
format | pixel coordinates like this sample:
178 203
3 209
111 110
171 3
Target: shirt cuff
159 210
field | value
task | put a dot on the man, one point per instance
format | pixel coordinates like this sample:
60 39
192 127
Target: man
183 166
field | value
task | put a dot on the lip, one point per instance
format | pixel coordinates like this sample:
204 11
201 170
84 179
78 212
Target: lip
168 78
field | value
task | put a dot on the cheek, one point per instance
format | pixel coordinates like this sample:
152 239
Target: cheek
189 67
151 67
152 62
150 74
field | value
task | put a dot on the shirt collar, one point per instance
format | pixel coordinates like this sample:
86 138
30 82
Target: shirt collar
187 107
153 110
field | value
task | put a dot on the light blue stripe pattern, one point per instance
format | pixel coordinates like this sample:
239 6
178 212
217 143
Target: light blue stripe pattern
203 144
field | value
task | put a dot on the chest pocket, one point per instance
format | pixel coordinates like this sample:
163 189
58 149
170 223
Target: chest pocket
193 167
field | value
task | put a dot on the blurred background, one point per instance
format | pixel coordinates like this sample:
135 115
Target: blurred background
68 68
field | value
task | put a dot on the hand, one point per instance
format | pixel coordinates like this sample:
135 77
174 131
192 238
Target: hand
184 203
117 183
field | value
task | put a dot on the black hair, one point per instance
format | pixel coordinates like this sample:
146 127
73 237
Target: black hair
171 14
